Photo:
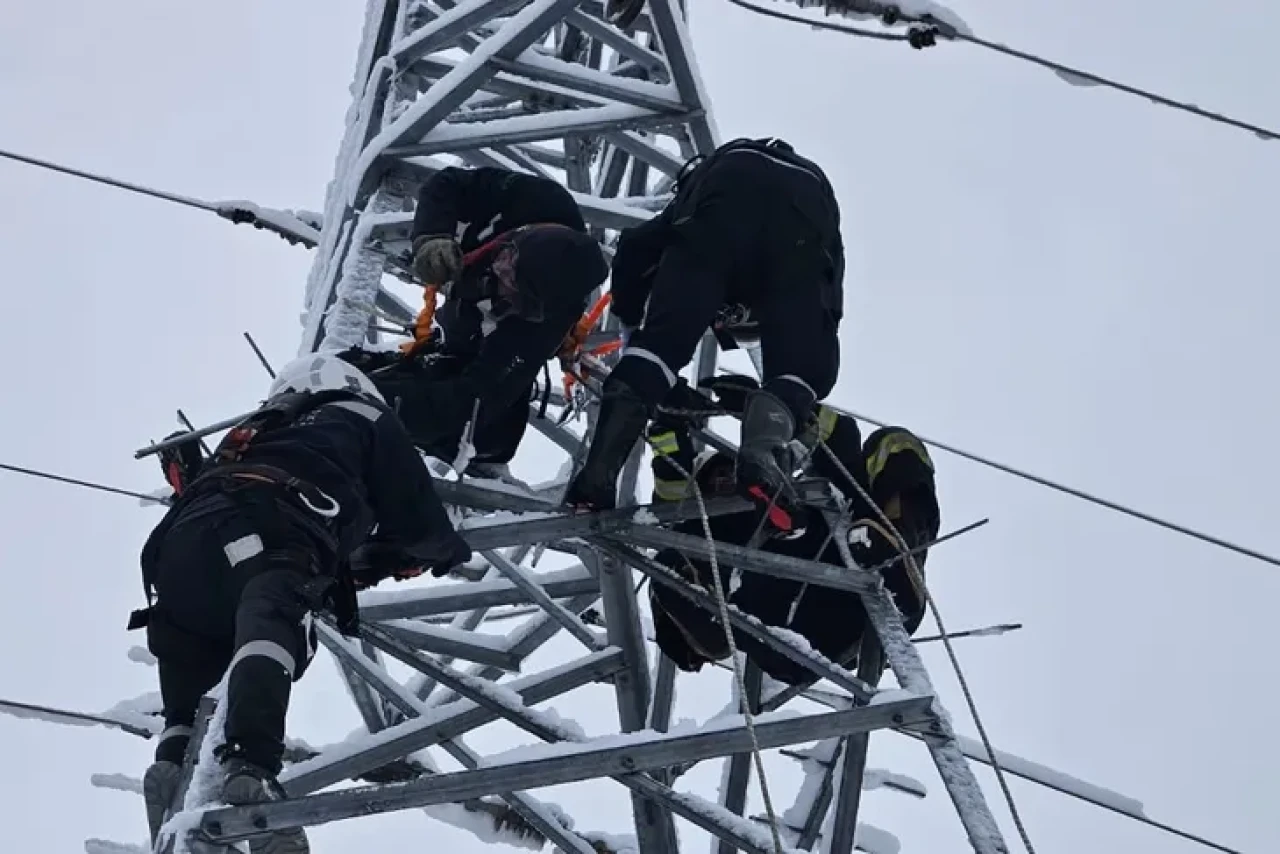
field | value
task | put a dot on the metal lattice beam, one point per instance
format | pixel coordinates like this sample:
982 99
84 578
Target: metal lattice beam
551 87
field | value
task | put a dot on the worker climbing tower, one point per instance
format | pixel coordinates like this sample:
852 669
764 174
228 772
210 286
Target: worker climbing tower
607 99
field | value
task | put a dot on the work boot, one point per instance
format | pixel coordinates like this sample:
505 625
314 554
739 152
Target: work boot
246 783
623 417
159 785
765 462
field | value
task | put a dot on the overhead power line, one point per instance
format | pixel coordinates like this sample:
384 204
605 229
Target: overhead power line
151 499
110 182
1076 493
280 223
926 30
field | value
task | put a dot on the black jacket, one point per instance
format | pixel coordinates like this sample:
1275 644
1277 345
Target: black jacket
490 201
357 453
771 181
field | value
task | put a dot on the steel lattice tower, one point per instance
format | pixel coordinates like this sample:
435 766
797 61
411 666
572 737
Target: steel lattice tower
551 87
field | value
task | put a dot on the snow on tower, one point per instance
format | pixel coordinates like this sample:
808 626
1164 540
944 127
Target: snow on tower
555 87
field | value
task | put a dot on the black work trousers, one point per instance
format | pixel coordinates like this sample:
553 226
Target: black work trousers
500 424
498 369
831 621
233 596
742 239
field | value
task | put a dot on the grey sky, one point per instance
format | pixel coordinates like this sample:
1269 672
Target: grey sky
1067 279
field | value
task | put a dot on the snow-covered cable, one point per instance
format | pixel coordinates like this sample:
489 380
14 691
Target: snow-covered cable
110 182
819 25
917 578
292 227
926 29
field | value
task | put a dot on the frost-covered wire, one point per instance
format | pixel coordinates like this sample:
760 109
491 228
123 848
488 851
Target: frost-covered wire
926 30
917 577
280 223
110 182
819 25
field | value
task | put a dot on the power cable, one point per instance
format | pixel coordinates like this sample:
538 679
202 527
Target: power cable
111 182
280 223
150 499
1076 493
714 411
886 526
926 30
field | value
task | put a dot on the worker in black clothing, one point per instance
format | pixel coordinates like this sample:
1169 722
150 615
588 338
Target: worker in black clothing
274 527
750 247
893 468
511 254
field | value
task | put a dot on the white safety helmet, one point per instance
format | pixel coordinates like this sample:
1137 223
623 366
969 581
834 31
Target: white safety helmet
323 372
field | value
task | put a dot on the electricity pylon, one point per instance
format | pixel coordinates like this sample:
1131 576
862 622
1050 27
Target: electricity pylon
557 88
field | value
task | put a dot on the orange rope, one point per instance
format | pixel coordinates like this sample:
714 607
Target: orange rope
422 326
571 349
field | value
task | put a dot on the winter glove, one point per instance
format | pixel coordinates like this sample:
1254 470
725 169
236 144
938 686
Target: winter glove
441 553
375 562
730 390
371 361
437 259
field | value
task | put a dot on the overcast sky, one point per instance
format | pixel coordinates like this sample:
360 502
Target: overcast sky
1066 279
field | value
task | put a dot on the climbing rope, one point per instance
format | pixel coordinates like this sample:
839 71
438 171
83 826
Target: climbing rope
748 714
917 581
722 606
885 524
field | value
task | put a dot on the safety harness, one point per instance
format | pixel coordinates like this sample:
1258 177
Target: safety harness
572 349
485 253
301 500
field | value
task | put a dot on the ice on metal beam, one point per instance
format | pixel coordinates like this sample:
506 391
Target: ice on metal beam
448 598
550 765
367 752
469 646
